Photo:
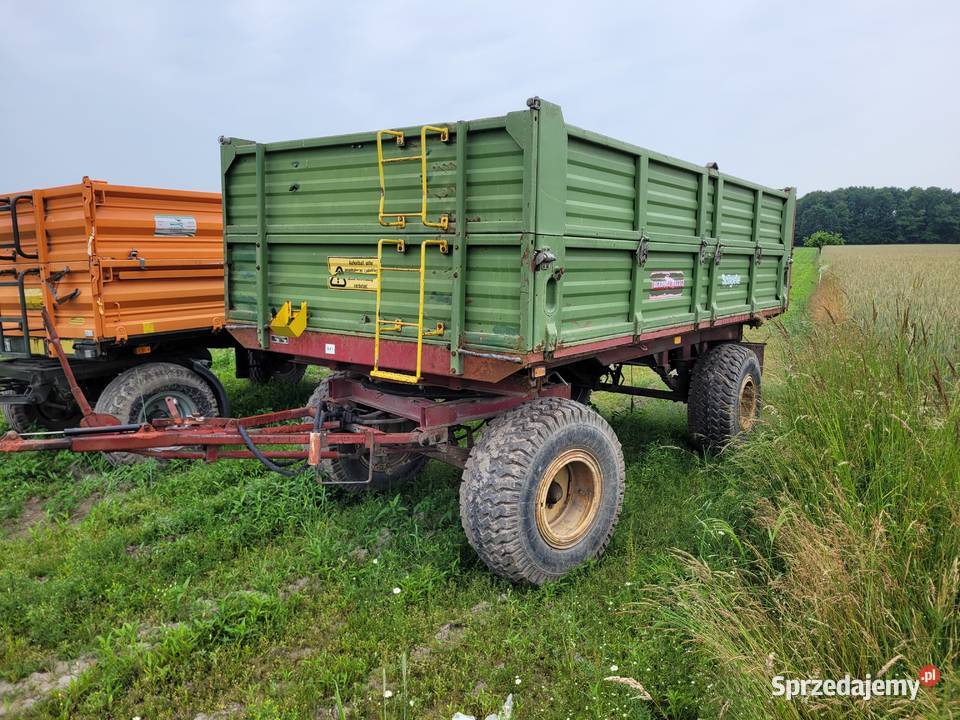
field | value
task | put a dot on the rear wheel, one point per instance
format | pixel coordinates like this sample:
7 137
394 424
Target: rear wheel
542 490
389 469
139 395
724 399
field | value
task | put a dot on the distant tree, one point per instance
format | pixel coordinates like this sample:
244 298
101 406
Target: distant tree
822 238
866 215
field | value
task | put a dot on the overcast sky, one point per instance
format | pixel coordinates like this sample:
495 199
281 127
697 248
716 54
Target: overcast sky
815 95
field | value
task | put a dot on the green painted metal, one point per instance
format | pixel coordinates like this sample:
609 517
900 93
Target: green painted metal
641 241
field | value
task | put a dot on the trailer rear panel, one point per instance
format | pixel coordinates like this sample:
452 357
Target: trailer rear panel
557 241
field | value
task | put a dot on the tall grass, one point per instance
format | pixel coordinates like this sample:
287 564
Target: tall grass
851 558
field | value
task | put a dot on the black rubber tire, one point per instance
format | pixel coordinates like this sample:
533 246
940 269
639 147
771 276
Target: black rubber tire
23 418
713 405
500 481
275 369
390 470
124 396
289 372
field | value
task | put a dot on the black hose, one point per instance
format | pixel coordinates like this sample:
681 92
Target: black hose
267 462
319 416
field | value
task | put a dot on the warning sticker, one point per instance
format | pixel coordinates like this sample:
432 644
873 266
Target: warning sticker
33 298
342 282
174 226
340 265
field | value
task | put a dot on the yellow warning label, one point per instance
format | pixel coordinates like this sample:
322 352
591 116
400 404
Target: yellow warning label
148 328
76 321
339 265
340 282
34 298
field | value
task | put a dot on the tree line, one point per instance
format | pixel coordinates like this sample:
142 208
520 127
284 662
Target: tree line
867 215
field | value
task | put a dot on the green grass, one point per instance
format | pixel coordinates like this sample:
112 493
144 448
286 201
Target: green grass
849 560
203 587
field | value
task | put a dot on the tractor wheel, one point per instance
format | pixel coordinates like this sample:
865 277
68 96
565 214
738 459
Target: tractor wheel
390 470
542 490
724 399
138 395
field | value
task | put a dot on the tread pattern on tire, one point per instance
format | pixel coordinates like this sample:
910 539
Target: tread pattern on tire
120 396
262 374
497 468
713 404
19 417
338 471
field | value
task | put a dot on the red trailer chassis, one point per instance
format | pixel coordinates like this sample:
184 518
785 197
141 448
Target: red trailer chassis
286 440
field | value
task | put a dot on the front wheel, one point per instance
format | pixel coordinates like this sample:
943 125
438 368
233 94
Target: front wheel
140 394
542 490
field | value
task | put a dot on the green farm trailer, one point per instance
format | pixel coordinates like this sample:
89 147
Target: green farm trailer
471 283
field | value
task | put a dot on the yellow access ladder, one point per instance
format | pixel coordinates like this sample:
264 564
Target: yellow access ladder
400 218
397 325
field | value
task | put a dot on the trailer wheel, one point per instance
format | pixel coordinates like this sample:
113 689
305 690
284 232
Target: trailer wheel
724 399
48 416
270 367
542 490
389 470
139 395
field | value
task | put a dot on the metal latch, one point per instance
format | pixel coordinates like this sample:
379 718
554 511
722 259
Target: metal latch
134 255
52 281
543 258
643 250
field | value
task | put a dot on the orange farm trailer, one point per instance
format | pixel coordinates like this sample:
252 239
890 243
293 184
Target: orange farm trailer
131 281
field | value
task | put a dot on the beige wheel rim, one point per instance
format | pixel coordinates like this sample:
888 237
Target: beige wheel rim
568 498
748 403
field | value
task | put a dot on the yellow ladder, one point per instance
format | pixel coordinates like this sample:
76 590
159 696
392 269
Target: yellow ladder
400 219
398 324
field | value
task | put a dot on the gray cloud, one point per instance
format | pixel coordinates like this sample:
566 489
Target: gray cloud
816 95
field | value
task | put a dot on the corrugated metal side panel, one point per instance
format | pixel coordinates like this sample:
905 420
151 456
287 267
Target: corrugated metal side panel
180 284
662 305
595 290
737 208
179 288
492 310
322 200
66 247
494 180
600 187
319 187
299 272
616 194
672 200
771 220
